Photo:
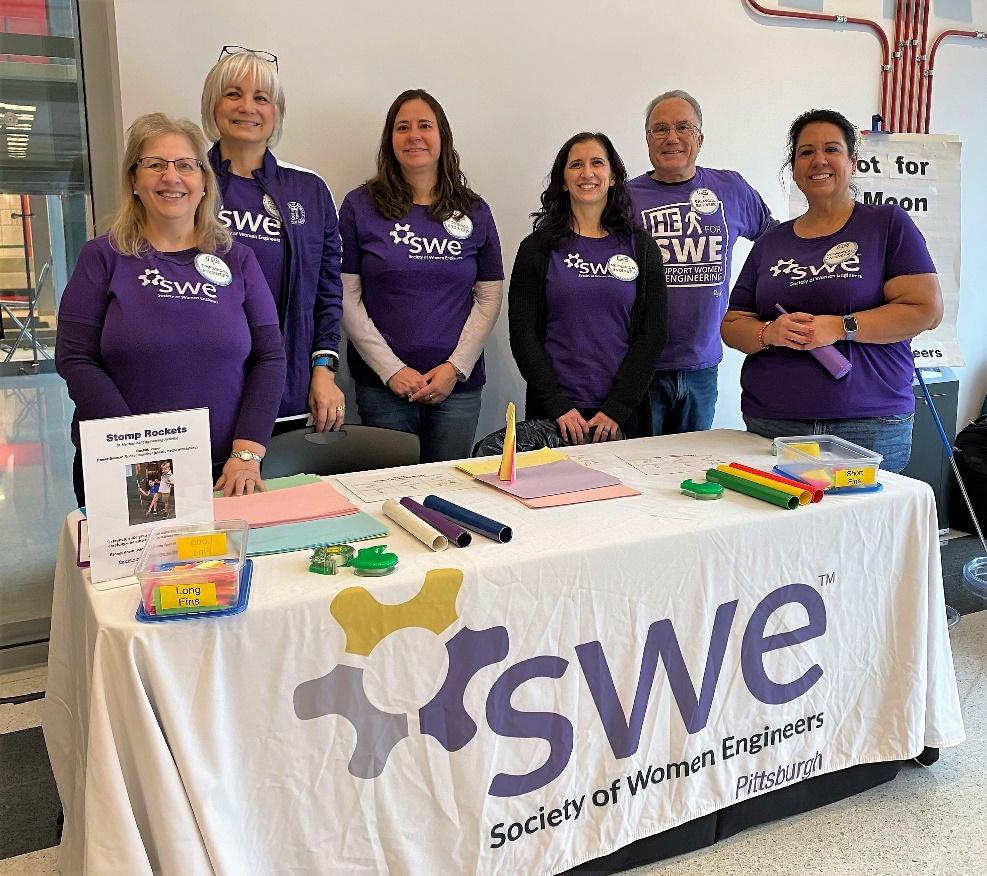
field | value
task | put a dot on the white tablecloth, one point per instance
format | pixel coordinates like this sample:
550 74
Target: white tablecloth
617 669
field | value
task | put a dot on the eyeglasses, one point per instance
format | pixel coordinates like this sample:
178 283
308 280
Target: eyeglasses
185 166
683 129
239 50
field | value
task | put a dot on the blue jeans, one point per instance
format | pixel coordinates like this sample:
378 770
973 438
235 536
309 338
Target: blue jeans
889 436
446 430
682 401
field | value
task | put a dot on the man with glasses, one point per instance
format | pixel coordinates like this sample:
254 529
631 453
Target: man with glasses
694 214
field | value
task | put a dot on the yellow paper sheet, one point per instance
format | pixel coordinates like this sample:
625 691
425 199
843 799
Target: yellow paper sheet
491 464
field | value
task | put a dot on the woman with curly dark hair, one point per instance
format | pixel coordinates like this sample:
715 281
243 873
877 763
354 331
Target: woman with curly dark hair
587 299
422 283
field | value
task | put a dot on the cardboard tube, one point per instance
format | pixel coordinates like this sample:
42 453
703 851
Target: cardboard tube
453 531
801 493
421 530
749 488
470 519
817 493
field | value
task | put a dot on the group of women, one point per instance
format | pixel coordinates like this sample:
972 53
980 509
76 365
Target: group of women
241 262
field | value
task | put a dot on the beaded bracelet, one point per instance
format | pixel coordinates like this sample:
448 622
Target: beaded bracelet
760 335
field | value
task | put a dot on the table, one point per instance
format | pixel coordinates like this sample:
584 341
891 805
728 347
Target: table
616 670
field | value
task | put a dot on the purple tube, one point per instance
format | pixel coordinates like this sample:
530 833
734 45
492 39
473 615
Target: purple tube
455 533
829 357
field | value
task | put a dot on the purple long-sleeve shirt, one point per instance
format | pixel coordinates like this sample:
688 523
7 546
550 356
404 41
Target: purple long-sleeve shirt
143 335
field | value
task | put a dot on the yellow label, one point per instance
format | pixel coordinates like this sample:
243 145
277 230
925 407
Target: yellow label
856 477
187 595
209 544
810 447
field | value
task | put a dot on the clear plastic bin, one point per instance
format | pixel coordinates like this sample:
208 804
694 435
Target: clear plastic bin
192 568
828 462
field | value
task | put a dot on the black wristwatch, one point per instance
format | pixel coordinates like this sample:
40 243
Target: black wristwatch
850 327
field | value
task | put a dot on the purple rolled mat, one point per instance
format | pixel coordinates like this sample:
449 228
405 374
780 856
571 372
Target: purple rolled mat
455 533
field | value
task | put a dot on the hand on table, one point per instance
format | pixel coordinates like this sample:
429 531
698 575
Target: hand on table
240 478
439 383
325 401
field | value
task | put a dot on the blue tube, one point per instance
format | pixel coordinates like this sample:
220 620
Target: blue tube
469 519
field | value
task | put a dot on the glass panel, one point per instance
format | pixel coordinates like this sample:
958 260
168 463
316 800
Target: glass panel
45 217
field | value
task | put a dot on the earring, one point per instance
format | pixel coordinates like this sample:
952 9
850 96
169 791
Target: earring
135 191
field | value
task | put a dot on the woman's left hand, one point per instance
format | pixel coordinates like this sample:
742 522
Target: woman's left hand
325 401
240 478
825 330
439 383
604 429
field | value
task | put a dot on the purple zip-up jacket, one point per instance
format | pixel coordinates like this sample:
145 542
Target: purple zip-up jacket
310 300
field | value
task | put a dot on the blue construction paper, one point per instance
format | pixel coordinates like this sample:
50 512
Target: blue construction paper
311 534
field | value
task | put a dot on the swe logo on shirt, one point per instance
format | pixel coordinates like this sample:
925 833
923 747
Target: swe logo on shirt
256 226
620 267
180 289
426 247
693 239
840 262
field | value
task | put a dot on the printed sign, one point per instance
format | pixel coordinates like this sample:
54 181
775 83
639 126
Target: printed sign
141 471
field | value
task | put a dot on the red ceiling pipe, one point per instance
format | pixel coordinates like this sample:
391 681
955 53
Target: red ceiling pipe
908 64
893 122
844 19
921 79
969 34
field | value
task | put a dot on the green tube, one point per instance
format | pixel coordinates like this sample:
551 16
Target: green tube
749 488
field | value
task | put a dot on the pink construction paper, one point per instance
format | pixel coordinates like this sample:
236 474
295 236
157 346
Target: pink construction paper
564 476
617 492
290 505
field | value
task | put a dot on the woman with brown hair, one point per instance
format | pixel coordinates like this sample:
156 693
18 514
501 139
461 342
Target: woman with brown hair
422 283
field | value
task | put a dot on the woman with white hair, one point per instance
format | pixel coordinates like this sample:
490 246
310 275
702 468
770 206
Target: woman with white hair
287 216
169 266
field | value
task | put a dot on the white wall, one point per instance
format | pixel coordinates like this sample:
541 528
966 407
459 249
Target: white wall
518 77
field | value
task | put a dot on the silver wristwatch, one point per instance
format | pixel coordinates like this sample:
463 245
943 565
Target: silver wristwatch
246 456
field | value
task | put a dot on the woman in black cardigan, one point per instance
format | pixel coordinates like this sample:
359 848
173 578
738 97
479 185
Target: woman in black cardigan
587 300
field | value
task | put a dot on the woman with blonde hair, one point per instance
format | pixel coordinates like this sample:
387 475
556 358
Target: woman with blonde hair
169 262
287 216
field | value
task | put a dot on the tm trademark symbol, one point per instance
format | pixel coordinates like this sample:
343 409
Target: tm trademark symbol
826 578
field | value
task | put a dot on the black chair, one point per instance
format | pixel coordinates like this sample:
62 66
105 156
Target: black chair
352 448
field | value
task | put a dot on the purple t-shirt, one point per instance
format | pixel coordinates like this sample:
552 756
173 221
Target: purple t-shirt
695 225
171 337
254 220
418 277
587 329
836 274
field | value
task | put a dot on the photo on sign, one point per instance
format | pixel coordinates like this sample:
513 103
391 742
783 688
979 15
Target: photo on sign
150 491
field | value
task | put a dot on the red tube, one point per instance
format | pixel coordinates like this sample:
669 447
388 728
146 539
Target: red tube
872 25
971 34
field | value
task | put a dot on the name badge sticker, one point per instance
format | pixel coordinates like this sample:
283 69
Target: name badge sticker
623 267
459 226
840 253
704 201
271 207
214 269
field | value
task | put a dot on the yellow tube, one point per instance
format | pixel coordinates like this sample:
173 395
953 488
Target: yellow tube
804 496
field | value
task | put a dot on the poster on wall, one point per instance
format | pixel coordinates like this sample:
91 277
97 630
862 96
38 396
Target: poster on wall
139 472
921 174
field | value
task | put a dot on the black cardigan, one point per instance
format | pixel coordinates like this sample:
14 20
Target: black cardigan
528 317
